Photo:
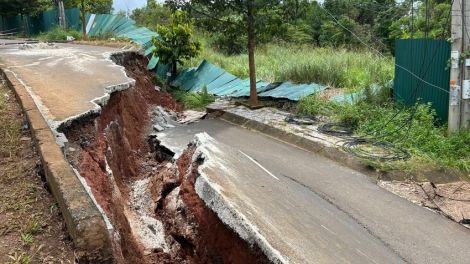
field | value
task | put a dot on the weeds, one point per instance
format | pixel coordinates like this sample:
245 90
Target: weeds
193 100
313 105
58 33
27 238
22 258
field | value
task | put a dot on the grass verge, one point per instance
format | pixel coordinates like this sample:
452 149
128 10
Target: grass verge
31 228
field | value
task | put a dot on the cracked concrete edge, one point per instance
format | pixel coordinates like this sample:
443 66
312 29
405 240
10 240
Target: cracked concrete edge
335 154
211 194
118 59
84 221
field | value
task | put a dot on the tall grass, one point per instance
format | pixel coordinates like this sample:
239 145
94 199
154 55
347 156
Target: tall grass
337 68
58 33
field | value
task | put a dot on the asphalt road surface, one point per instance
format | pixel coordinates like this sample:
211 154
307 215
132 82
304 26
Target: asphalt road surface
359 212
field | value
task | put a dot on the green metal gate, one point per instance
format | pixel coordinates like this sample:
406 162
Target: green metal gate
421 73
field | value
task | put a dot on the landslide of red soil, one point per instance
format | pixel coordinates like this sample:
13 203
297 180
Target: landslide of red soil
221 242
117 141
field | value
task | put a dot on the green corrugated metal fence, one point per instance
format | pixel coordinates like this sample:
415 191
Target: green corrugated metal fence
421 73
44 22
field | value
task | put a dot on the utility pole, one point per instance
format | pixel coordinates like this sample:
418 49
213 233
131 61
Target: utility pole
83 20
455 71
465 114
62 20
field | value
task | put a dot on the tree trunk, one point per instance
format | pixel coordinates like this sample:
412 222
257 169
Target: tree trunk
83 20
251 57
296 13
3 24
172 70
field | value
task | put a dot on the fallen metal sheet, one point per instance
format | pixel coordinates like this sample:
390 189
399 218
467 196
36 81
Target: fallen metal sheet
293 92
185 75
205 74
353 98
241 89
227 86
153 63
161 70
149 50
245 91
221 81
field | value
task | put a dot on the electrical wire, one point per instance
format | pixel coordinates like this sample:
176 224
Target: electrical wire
301 119
336 129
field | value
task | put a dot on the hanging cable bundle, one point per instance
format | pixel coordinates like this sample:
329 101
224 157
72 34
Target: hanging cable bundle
375 150
301 119
336 129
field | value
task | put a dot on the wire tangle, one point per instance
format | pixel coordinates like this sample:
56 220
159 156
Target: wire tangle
336 129
375 150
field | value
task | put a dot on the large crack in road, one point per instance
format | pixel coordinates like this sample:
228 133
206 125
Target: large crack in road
149 198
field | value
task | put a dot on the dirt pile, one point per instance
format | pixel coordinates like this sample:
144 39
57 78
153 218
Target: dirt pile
156 215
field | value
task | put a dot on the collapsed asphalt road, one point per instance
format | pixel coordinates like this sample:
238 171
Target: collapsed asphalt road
280 204
353 201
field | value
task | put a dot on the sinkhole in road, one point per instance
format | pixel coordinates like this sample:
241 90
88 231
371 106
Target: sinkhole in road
148 197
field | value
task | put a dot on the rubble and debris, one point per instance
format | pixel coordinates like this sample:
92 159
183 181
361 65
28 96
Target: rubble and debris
41 45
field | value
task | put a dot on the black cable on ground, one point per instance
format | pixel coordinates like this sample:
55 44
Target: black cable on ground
336 129
301 119
375 150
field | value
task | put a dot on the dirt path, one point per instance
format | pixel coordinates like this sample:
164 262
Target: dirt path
32 229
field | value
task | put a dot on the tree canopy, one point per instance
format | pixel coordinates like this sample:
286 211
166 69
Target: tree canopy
92 6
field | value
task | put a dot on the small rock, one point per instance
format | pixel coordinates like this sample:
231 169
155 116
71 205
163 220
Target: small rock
169 126
71 149
25 139
158 128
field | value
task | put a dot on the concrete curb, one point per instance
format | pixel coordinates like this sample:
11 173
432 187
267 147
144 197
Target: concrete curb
332 153
84 221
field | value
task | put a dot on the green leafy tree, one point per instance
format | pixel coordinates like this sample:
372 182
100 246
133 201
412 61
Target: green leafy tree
92 6
429 19
384 21
174 44
151 15
21 8
255 15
